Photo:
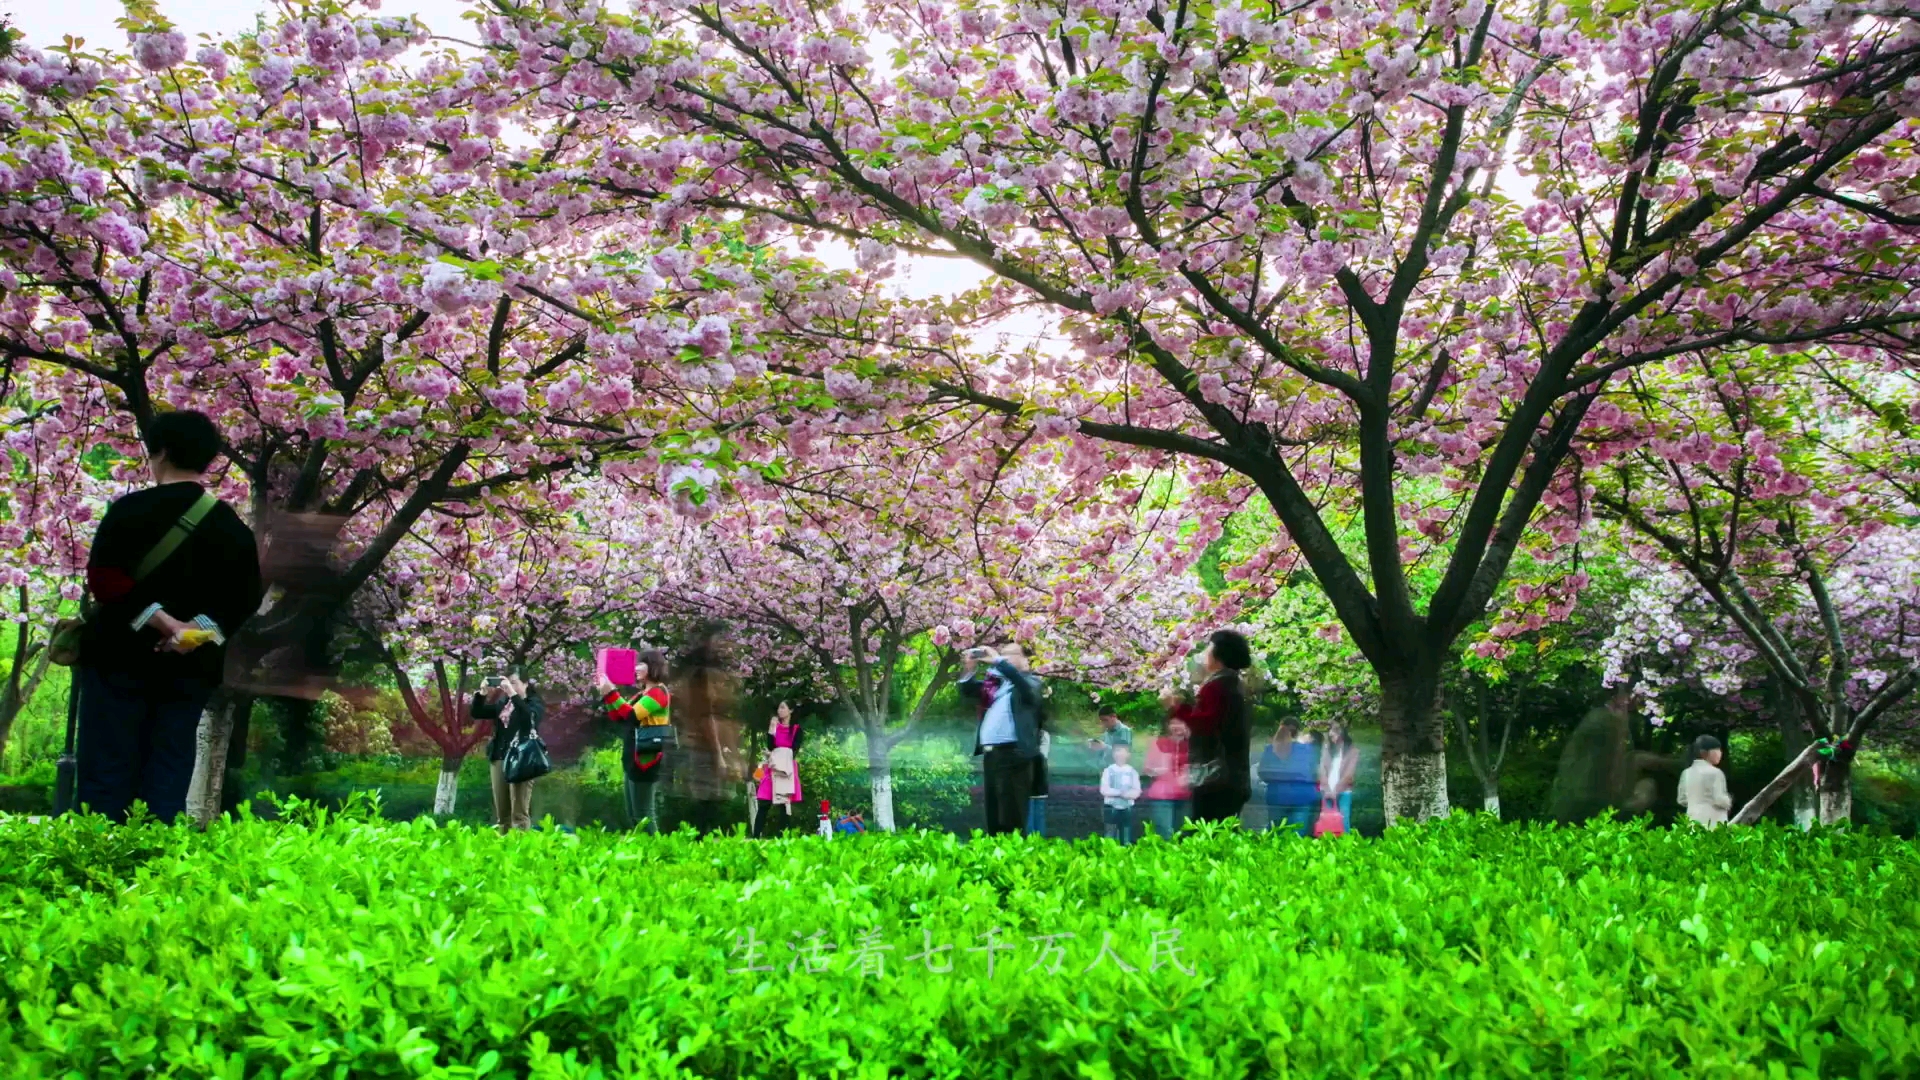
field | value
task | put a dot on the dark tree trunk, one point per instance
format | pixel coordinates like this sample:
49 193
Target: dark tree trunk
1793 739
1413 745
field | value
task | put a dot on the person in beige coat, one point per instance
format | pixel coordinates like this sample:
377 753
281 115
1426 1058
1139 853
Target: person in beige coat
1703 787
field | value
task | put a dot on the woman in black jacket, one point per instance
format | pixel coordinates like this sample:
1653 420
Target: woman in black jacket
516 711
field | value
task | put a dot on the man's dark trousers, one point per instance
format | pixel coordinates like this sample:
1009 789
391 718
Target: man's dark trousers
1008 778
136 740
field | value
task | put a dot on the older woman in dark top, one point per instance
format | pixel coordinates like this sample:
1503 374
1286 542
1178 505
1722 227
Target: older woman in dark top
1220 748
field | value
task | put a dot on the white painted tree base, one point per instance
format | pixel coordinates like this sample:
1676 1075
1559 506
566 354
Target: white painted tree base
882 785
445 792
210 761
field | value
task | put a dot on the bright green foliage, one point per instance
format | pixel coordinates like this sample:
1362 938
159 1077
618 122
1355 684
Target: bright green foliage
348 947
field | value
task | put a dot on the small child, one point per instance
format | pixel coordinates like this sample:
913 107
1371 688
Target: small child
854 822
1703 787
1119 787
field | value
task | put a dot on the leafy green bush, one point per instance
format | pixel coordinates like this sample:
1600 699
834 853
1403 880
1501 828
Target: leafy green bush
71 854
337 945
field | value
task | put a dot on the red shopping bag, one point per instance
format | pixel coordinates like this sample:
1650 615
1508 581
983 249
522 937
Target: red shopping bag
1329 823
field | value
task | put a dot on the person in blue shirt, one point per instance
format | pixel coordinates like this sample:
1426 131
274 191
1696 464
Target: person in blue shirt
1290 767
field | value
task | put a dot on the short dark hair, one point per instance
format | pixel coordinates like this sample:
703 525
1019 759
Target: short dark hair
1705 745
1231 649
189 439
1108 710
655 662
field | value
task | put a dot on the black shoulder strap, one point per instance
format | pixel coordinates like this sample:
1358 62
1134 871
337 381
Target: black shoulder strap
176 536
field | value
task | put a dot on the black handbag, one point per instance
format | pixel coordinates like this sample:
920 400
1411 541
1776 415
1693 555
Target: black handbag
652 738
527 759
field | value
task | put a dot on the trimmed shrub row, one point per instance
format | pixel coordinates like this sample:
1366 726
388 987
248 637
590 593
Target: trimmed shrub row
327 945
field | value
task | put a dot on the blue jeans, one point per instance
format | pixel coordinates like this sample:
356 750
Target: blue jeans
1168 815
1119 823
136 741
1301 817
1345 803
1037 815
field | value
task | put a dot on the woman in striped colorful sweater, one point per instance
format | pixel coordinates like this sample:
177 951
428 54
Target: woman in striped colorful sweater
645 718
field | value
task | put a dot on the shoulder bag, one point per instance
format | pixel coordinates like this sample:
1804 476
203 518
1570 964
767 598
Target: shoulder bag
527 759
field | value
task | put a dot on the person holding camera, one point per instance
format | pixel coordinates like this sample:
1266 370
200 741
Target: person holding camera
516 711
1220 749
1008 739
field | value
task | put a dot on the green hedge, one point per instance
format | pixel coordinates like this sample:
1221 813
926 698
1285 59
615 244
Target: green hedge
323 946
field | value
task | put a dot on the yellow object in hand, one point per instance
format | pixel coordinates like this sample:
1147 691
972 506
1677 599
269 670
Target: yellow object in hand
194 638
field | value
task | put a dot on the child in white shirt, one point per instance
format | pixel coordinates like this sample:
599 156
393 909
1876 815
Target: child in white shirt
1119 787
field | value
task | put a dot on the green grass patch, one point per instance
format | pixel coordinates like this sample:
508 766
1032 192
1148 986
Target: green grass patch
345 946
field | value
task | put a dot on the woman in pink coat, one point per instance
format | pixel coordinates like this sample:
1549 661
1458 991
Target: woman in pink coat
779 770
1168 798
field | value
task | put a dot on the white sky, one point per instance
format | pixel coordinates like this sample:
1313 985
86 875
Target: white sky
47 21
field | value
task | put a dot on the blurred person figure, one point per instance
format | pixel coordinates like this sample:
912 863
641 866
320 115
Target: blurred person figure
780 772
1338 760
712 765
1220 743
1008 739
1113 734
1600 772
648 704
1119 789
1290 768
1703 787
286 649
516 710
172 573
1168 797
1037 796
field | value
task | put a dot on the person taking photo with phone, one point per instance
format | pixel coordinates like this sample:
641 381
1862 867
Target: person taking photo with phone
1220 751
516 711
1008 740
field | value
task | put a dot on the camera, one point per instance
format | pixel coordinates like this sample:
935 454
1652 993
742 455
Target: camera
494 680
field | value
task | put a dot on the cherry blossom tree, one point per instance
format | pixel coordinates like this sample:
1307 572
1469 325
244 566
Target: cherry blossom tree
48 499
1327 248
485 588
338 242
1784 494
877 558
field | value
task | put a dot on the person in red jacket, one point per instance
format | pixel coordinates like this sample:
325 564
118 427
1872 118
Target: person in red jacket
1220 752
